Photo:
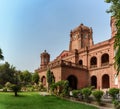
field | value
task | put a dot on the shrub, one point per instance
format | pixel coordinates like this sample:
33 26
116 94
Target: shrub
53 88
98 95
116 104
1 86
113 92
86 93
4 89
8 85
76 93
60 88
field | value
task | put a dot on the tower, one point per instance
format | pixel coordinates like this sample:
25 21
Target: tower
45 59
80 37
113 27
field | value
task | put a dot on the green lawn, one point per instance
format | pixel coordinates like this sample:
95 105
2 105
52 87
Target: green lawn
32 100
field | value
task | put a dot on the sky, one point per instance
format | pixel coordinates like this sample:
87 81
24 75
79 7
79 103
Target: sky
28 27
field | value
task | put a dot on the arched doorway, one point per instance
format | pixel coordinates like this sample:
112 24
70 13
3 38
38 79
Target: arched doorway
94 81
43 80
72 82
105 81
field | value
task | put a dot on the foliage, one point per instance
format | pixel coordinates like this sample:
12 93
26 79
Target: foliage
115 11
8 85
86 93
116 104
50 78
98 95
4 89
113 92
1 55
33 100
6 73
76 93
33 88
25 77
42 88
15 88
1 86
35 78
60 88
65 86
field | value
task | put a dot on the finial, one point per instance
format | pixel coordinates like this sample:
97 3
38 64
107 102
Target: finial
45 51
81 24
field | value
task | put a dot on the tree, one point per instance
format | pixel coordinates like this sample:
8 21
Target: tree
50 78
1 56
26 77
7 73
115 11
15 88
35 78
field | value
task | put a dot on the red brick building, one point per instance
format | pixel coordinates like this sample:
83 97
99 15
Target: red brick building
85 63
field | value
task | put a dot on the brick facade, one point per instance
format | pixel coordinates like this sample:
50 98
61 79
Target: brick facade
85 63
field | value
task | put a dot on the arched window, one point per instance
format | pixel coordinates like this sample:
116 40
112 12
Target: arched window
93 62
105 59
80 62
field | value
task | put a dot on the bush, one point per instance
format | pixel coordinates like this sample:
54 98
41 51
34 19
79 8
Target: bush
8 85
4 89
113 92
1 86
53 88
86 93
60 88
116 104
98 95
76 93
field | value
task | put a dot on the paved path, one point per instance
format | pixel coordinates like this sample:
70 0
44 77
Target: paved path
44 93
100 107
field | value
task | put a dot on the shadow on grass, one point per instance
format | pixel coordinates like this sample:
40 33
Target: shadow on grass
19 95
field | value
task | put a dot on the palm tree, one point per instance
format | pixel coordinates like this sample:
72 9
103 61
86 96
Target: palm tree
1 56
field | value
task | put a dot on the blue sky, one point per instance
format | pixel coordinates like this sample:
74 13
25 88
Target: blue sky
28 27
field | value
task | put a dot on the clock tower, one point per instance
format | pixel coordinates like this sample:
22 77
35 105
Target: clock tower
80 37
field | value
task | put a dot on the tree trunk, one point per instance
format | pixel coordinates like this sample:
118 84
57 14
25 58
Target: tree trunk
15 93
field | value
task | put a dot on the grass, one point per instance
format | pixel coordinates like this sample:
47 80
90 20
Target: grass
32 100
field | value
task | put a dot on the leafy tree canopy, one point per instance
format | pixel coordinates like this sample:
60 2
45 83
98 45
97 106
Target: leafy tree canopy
35 78
1 55
115 11
7 73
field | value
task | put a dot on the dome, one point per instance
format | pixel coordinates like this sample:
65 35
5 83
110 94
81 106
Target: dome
45 53
81 27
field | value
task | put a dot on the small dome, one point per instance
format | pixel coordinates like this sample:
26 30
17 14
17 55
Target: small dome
45 53
81 27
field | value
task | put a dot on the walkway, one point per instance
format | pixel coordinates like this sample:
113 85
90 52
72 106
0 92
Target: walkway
109 106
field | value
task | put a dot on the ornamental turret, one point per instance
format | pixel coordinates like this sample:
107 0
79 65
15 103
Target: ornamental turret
45 59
